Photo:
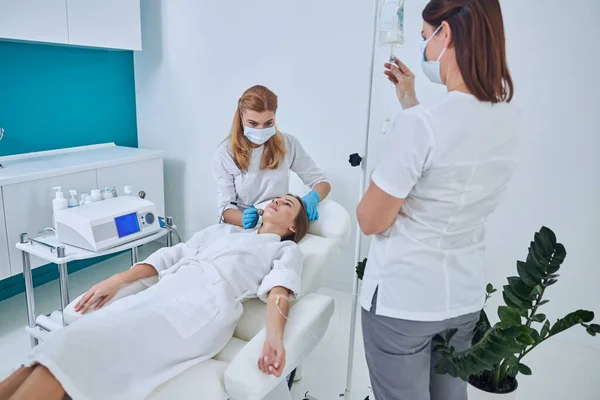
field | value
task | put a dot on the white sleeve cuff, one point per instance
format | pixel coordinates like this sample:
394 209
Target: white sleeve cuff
286 278
389 189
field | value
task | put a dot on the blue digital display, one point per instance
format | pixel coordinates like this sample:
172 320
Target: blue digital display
127 224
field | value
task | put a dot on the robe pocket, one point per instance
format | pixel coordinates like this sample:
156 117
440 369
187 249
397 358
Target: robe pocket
188 313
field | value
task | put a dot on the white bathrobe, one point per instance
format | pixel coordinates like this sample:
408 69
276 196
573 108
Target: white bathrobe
125 350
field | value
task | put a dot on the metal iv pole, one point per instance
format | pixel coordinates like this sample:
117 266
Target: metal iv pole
355 161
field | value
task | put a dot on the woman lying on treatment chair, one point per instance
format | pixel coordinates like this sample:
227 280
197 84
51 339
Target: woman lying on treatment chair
128 348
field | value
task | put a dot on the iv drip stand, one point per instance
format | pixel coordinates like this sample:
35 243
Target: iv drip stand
363 172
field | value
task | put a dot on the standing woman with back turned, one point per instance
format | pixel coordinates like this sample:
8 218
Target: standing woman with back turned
254 163
438 178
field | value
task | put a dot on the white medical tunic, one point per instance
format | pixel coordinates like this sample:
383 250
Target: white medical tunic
451 163
256 185
128 348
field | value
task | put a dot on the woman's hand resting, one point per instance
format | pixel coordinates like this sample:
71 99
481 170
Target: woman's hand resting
272 359
100 293
404 81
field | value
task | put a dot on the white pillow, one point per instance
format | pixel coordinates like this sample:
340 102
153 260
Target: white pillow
333 223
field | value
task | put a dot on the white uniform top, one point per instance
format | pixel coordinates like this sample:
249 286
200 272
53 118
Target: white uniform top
256 185
251 263
450 162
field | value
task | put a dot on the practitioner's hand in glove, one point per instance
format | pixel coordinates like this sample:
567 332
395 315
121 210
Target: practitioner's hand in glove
272 359
100 293
310 203
250 217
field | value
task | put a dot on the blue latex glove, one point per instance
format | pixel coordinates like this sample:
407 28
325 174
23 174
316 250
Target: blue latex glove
310 203
250 217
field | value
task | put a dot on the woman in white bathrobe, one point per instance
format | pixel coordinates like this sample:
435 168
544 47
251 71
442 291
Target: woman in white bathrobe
128 348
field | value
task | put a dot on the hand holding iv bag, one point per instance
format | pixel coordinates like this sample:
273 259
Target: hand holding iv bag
391 23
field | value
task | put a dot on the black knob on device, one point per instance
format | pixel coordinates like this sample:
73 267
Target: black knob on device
355 159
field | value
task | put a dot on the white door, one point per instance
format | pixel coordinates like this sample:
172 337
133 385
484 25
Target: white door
105 23
35 20
28 209
145 175
4 245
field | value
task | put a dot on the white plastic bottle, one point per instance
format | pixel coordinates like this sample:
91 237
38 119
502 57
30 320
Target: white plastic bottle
96 195
73 202
59 203
87 199
128 190
107 193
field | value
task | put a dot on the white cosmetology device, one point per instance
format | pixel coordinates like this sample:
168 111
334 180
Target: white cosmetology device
109 223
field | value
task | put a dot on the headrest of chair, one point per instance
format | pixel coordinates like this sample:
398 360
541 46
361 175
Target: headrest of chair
333 223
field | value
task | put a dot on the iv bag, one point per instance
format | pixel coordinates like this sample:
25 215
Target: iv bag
391 23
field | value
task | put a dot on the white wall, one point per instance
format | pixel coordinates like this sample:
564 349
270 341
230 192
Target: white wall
553 56
198 58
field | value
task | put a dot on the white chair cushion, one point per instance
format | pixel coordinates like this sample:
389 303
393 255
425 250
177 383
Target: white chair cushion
200 382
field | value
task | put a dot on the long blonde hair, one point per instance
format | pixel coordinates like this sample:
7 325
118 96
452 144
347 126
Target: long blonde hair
260 99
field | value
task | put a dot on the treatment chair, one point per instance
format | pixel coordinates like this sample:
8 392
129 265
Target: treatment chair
233 373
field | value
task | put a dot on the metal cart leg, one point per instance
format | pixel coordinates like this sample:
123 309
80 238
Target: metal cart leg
29 295
134 255
63 282
64 289
169 222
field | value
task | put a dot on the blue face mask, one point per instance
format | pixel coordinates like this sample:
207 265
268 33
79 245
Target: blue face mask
259 136
432 68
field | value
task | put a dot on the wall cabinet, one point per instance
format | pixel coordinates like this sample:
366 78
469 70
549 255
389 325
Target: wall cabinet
26 183
113 24
34 20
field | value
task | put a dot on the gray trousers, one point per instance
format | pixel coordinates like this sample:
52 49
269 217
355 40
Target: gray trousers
400 358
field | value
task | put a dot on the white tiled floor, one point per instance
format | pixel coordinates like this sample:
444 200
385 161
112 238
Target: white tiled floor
561 370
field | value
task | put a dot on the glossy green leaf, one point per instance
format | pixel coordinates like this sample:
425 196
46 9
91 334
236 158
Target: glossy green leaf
527 278
522 304
570 320
524 369
489 289
590 331
539 317
595 328
533 270
537 261
547 237
520 288
509 316
550 282
545 330
541 303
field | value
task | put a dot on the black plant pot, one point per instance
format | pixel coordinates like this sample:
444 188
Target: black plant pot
481 389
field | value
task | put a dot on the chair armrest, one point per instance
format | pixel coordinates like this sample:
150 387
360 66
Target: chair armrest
70 315
308 322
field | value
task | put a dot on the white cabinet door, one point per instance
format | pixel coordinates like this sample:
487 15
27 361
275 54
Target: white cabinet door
28 208
35 20
145 175
105 23
4 245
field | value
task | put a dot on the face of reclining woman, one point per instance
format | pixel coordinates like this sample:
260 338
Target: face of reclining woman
283 213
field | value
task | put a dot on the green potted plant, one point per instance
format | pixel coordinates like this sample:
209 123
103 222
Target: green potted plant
496 357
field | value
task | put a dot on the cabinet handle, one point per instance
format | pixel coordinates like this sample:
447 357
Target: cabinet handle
1 133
